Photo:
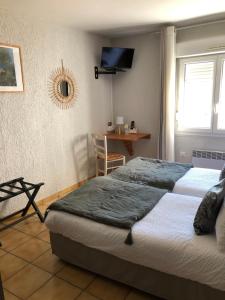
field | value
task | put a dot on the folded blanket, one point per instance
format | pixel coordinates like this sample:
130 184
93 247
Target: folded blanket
153 172
110 201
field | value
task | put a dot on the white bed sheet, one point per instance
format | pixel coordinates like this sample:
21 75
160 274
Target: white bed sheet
196 182
163 240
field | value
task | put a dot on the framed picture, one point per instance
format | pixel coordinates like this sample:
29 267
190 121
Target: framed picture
11 74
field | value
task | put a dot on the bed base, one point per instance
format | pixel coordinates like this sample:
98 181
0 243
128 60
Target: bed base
148 280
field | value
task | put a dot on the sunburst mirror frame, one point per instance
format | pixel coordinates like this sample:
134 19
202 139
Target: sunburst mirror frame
58 79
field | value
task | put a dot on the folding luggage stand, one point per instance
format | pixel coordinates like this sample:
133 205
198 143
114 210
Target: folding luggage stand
17 187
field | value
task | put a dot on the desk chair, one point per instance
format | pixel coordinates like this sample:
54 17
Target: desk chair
111 160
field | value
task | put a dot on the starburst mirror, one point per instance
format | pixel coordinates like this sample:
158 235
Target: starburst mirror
62 87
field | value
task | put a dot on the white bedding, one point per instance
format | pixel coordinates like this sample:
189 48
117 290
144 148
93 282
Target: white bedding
163 240
196 182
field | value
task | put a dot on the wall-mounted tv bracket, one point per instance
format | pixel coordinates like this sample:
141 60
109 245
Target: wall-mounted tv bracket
98 72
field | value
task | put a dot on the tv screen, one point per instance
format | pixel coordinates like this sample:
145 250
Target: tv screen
117 57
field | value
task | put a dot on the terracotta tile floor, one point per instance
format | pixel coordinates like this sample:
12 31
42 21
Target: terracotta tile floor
30 271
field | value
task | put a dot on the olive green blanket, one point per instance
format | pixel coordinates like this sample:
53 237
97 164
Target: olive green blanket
111 201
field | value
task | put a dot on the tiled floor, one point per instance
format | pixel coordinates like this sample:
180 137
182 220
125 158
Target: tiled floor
30 271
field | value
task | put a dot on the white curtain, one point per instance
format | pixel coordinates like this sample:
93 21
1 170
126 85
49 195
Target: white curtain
167 110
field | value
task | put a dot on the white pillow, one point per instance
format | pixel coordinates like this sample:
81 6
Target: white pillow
220 229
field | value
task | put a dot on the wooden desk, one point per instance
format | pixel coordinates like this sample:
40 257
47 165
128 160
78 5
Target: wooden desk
128 139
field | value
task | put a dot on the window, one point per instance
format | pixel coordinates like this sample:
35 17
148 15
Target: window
220 108
201 95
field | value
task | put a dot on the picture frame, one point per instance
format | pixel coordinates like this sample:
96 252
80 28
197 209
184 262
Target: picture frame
11 72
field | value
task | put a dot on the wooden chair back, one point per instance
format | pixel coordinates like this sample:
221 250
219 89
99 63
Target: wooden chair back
100 145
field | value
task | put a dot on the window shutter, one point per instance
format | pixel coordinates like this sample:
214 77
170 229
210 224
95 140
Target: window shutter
197 94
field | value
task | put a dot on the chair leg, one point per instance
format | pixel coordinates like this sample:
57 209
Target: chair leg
105 167
124 160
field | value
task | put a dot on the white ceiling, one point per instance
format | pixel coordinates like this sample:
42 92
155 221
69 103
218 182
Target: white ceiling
116 17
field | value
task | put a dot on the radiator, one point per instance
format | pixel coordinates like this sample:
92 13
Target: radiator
208 159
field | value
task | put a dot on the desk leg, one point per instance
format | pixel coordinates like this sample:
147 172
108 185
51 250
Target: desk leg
129 147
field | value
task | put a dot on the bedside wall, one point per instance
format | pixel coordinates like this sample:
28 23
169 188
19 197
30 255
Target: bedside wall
136 93
38 140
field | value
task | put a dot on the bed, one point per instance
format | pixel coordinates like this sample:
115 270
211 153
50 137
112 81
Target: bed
166 253
166 258
196 182
187 180
153 172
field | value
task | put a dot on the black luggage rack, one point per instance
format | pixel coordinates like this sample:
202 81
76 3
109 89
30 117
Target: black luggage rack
15 188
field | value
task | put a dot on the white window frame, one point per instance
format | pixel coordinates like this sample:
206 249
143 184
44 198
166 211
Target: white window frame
219 74
218 61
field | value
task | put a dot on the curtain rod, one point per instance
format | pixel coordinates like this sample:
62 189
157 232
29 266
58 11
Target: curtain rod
200 24
192 26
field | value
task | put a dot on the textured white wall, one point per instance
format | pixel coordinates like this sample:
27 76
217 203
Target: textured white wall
136 93
38 140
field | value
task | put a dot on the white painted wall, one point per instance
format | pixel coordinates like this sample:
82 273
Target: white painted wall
38 140
199 40
193 41
136 93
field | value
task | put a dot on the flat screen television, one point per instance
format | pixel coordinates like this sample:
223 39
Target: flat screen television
117 58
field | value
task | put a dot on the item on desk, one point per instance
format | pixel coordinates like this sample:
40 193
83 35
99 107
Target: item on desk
134 130
126 128
119 129
119 125
110 127
119 120
132 127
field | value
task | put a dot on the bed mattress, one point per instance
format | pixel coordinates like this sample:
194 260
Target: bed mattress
164 240
196 182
